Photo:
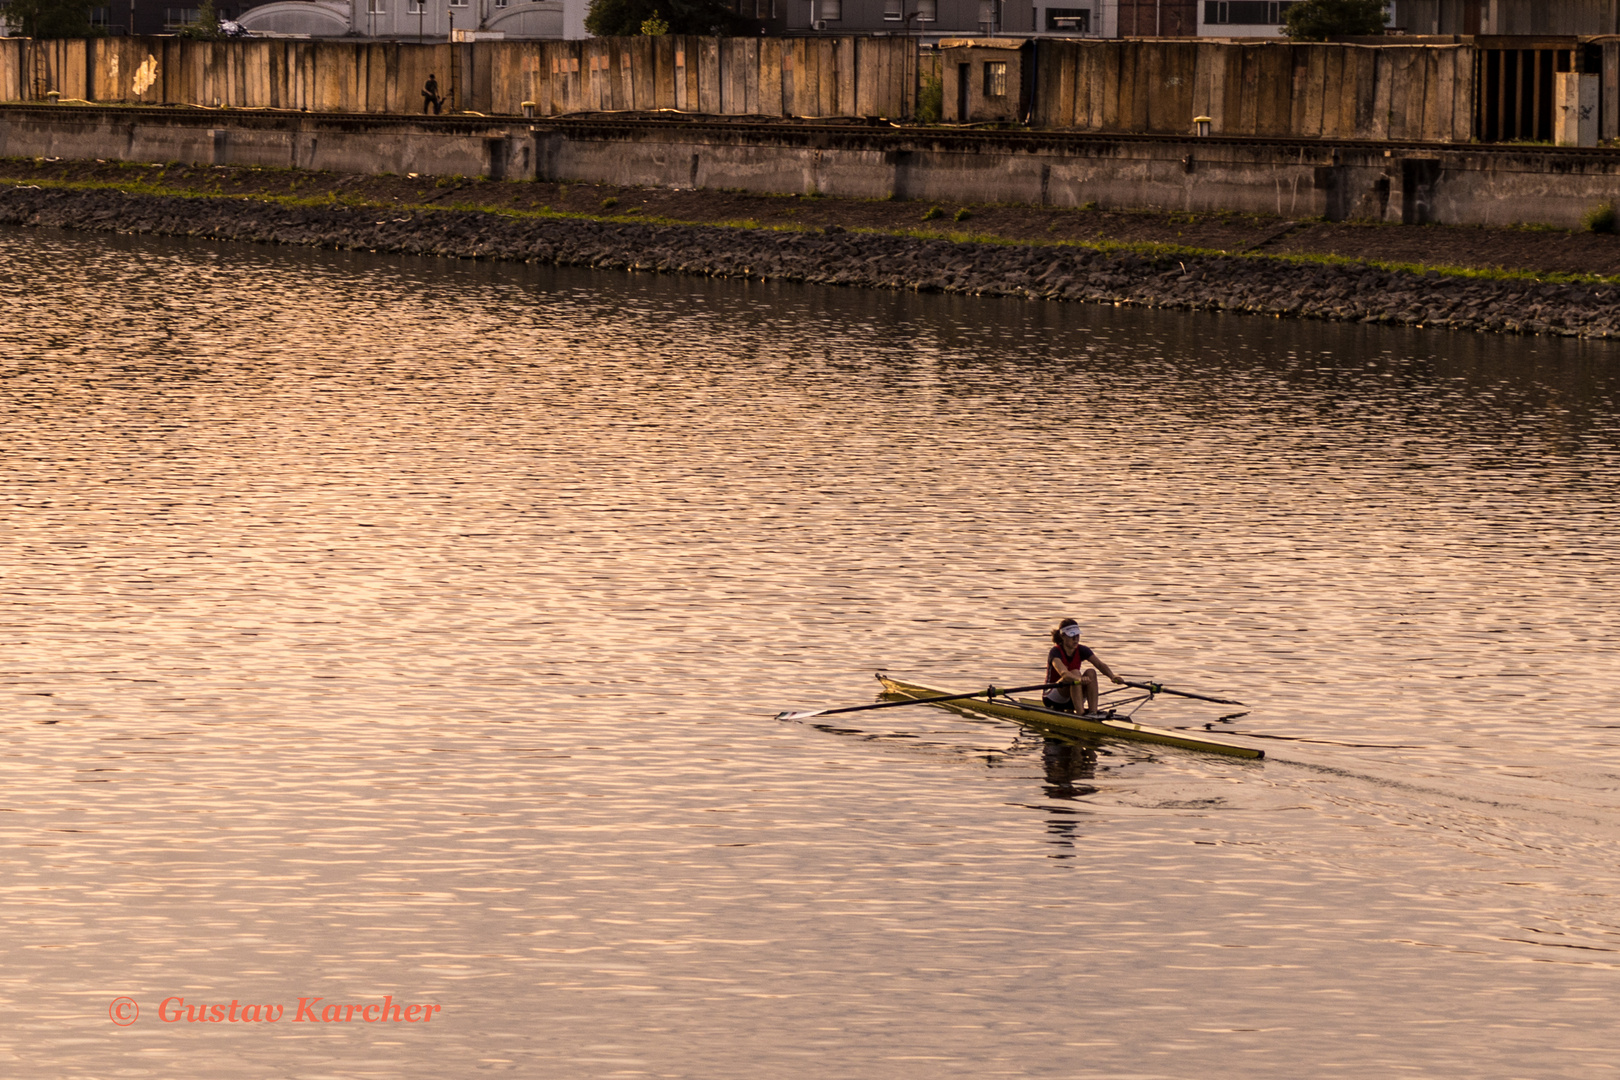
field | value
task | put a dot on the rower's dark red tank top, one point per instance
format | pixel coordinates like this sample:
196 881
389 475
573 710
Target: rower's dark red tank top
1070 660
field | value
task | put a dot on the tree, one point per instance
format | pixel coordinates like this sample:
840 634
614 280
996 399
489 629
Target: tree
1318 20
207 27
625 18
49 18
930 98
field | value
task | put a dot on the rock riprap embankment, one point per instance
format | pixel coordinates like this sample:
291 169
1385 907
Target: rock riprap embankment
1259 285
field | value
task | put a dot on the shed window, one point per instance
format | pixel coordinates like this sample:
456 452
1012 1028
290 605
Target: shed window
894 10
927 10
830 10
995 78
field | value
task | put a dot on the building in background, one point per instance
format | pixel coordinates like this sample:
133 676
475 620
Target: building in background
1078 18
403 20
1241 18
1263 18
1074 18
157 16
1509 17
1157 18
938 19
411 20
928 19
931 20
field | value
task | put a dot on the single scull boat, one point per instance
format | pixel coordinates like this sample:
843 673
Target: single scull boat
1036 715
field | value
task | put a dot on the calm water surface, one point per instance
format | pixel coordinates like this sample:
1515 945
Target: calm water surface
380 627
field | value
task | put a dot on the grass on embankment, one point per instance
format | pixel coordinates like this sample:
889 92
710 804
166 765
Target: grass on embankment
418 195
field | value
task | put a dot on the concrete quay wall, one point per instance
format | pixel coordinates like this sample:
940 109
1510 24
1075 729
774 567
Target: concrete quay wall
1412 183
1162 173
1407 183
465 146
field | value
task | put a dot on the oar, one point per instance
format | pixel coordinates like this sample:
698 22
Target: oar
987 692
1156 688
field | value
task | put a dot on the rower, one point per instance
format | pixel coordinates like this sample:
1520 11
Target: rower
1078 692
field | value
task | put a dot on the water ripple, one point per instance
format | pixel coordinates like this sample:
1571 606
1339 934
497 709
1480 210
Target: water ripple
386 627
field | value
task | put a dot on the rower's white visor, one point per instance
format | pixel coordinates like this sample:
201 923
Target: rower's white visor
1070 631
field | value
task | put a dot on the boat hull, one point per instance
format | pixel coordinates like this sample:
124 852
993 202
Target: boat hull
1035 715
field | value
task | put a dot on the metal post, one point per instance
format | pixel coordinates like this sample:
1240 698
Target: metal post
911 63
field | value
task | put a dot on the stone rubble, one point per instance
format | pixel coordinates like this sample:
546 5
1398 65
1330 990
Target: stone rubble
1350 292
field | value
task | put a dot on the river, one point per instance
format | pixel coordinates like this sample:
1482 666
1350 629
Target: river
397 632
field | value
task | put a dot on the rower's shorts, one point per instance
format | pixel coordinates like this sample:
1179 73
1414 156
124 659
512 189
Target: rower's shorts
1063 704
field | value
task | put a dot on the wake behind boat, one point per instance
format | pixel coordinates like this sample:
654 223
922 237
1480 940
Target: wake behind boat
1002 705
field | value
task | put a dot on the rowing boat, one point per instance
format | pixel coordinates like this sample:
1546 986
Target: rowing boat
1034 714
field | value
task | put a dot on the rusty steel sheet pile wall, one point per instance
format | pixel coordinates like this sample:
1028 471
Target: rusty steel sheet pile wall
29 70
797 77
1270 89
800 77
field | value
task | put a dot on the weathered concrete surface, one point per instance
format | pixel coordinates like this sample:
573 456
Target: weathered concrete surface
1401 182
464 146
1348 292
1338 180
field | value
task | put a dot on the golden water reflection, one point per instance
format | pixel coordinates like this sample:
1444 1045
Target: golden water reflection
388 627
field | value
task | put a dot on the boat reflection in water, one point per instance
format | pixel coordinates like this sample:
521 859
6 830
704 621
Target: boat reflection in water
1066 762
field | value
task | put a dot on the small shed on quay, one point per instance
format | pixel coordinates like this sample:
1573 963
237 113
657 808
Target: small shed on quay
985 80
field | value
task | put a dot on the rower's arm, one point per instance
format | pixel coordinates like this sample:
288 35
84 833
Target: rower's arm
1097 662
